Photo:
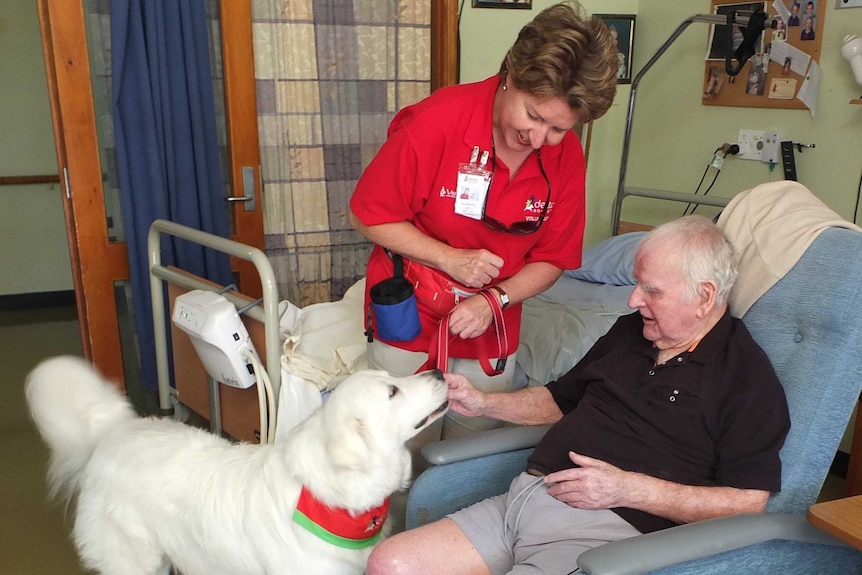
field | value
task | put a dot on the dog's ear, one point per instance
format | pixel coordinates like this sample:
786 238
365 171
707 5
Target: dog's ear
349 447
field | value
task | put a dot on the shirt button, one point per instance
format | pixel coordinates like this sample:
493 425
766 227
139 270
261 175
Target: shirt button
672 398
652 372
679 360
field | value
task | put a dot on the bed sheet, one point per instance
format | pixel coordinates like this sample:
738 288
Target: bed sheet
323 343
560 325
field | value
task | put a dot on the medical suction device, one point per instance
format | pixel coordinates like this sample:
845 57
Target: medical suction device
218 335
225 348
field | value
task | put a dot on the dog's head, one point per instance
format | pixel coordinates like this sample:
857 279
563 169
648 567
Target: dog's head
373 407
361 430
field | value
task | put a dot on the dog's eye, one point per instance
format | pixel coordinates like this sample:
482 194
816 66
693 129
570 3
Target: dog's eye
392 391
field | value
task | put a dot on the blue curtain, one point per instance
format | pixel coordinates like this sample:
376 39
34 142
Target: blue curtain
167 144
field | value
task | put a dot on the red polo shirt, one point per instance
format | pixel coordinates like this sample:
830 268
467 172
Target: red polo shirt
413 178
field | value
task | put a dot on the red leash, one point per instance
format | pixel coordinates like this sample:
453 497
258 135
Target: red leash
438 352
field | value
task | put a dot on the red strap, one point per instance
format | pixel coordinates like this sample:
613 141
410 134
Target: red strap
438 351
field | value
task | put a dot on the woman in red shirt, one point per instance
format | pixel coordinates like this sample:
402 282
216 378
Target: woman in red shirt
516 231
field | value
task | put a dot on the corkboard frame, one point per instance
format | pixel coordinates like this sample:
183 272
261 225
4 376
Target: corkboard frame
734 93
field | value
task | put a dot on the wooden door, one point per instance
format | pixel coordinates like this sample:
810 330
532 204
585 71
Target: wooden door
99 257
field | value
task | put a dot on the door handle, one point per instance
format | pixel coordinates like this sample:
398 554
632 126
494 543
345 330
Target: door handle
248 185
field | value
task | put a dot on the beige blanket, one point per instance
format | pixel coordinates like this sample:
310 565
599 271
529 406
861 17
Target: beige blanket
770 227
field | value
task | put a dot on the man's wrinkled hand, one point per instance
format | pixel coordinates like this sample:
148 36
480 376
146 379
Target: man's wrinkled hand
594 484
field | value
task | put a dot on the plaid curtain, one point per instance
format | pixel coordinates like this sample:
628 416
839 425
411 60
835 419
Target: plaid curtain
330 76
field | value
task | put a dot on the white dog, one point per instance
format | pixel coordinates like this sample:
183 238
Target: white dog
155 492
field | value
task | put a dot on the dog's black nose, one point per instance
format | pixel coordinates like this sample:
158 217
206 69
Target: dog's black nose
437 374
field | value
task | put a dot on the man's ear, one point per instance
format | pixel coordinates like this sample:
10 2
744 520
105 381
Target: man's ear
349 447
707 294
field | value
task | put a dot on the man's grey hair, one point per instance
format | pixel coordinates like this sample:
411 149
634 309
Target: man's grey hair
706 253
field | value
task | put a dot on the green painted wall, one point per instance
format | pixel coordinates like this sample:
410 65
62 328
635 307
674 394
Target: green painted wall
34 253
674 135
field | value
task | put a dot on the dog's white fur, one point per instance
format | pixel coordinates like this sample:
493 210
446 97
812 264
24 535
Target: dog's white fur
154 492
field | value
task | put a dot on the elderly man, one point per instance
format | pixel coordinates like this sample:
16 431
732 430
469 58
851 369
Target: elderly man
675 415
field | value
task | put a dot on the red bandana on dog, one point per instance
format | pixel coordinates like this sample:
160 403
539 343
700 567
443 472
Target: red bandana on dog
337 526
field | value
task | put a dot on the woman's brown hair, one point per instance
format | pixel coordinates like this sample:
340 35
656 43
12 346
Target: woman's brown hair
563 54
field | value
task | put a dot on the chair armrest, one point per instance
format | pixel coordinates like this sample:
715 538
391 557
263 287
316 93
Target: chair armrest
661 549
483 443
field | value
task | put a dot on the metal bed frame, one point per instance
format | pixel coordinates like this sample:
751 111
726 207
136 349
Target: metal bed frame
624 191
267 313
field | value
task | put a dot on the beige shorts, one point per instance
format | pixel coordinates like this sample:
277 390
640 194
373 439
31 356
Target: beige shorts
526 531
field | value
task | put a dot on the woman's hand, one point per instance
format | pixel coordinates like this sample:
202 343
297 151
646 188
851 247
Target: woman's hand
470 318
473 268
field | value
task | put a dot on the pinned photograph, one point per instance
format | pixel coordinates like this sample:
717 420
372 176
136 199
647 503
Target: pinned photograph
793 19
779 34
756 84
714 82
807 29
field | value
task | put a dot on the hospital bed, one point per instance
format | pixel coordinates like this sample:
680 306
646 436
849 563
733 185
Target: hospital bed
309 350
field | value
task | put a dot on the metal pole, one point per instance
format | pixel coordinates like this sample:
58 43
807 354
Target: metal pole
716 19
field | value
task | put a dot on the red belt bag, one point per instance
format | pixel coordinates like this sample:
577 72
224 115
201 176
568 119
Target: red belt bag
438 352
435 289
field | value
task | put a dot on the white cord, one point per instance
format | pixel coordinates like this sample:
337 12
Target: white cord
265 397
531 487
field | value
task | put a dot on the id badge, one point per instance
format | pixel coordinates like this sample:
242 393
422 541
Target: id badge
471 190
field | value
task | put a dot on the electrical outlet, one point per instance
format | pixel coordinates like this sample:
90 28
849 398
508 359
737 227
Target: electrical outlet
771 150
848 3
750 144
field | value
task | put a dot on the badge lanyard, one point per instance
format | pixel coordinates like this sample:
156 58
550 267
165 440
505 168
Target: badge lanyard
473 183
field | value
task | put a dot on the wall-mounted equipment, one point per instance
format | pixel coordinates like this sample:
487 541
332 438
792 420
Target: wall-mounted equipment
759 145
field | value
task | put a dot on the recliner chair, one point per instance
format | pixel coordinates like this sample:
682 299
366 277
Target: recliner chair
810 325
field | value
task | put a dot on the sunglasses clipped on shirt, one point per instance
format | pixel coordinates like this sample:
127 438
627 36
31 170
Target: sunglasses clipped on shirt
518 228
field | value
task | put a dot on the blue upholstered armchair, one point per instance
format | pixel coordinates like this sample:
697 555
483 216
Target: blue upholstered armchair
810 325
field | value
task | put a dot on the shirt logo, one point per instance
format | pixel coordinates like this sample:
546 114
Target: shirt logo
534 204
446 193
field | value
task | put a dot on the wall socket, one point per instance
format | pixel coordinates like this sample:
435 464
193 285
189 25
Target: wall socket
759 145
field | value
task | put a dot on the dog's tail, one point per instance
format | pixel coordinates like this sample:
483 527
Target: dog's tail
73 408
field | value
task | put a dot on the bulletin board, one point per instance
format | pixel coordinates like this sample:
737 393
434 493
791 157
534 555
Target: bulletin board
773 77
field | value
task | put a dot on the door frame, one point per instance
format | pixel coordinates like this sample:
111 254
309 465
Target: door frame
96 262
444 43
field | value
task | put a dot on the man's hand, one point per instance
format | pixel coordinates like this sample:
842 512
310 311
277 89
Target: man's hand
473 268
463 397
594 485
599 485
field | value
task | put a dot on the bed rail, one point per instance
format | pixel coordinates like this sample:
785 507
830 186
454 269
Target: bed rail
267 313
